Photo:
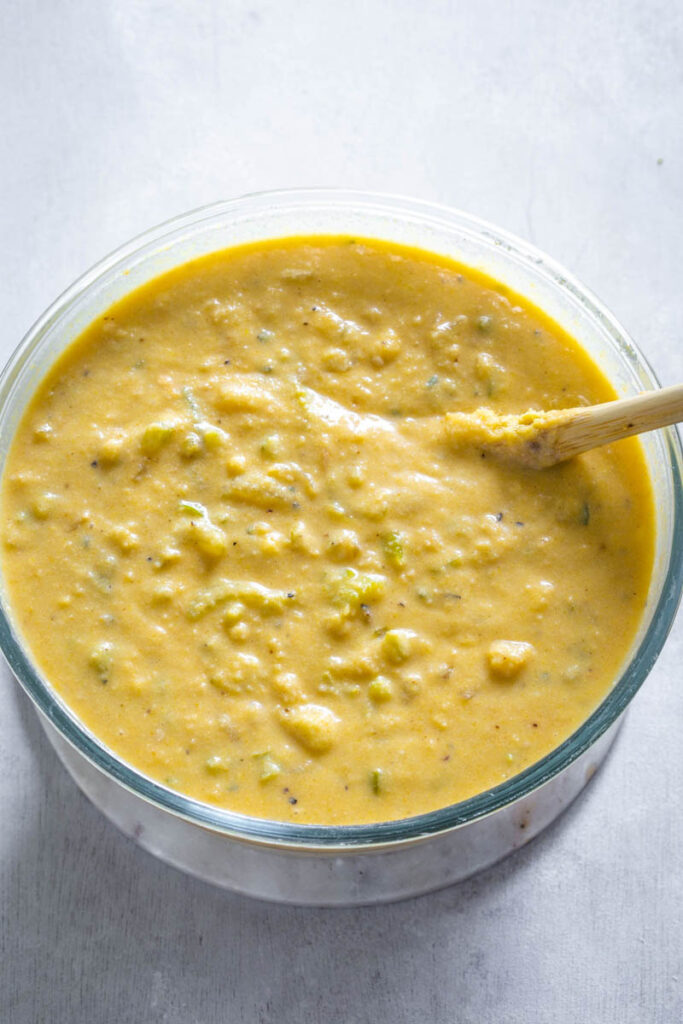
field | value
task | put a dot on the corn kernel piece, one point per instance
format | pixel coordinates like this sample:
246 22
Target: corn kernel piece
125 538
167 556
287 687
236 465
210 539
111 450
343 546
234 611
313 726
270 446
270 769
191 445
380 690
507 658
336 360
239 632
43 432
398 644
43 505
101 658
213 436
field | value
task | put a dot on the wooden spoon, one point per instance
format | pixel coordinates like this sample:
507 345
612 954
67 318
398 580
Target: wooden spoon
540 439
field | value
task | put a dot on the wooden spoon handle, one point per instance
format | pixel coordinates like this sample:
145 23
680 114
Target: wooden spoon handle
601 424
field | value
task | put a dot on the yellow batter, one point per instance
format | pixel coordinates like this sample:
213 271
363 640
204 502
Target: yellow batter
239 544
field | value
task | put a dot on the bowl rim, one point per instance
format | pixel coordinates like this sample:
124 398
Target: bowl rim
420 826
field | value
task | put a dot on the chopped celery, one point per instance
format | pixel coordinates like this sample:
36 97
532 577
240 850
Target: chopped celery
192 508
192 402
393 549
348 587
155 436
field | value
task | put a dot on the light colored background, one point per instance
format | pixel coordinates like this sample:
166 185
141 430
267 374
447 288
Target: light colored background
560 121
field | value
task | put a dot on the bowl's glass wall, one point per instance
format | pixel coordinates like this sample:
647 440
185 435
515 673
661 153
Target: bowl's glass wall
452 234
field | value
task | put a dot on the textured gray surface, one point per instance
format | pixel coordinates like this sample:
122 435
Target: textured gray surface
548 119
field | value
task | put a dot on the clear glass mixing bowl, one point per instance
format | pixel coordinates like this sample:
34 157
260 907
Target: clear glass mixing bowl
339 864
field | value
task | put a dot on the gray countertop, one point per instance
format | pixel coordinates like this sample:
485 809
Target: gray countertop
563 124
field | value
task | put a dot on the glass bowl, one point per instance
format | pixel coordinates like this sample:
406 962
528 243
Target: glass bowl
388 860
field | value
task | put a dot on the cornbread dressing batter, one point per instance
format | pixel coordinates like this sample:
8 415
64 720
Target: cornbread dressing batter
240 545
